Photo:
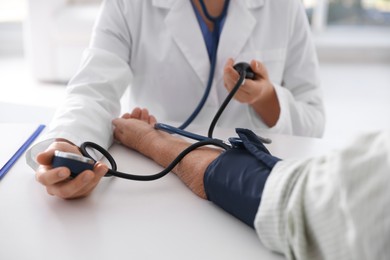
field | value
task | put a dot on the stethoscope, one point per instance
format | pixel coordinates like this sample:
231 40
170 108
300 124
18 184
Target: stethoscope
213 60
79 164
244 71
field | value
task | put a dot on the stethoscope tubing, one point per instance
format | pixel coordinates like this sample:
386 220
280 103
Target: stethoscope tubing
113 171
175 130
202 140
182 132
225 103
213 62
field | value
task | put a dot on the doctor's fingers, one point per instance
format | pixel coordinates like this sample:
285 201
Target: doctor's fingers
230 78
45 158
228 65
80 186
259 69
249 93
84 190
48 176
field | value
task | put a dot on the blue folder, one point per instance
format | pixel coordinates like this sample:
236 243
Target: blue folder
20 151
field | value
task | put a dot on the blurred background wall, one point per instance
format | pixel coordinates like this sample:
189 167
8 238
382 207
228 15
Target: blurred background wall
41 42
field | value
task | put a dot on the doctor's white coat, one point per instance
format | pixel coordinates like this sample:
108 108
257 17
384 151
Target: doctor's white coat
156 47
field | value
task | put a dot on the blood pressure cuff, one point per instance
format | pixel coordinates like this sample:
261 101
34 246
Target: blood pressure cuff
235 180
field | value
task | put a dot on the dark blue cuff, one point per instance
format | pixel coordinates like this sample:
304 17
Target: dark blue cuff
236 179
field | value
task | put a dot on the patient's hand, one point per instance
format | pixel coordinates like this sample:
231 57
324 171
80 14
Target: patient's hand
141 114
136 130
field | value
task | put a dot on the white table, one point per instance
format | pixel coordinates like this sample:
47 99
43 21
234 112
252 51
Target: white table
127 219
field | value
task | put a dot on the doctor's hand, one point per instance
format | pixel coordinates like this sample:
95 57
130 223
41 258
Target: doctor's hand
57 180
258 93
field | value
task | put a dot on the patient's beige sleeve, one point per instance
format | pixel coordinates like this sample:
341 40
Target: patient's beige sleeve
331 207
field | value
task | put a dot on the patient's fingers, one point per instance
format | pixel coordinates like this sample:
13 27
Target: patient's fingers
141 114
136 113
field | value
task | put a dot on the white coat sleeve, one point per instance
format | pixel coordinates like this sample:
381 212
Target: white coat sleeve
331 207
111 31
92 100
93 95
300 97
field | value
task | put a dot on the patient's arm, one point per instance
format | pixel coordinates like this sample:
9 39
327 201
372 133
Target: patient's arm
163 148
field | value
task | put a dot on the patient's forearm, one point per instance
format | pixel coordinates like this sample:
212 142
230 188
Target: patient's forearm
233 180
163 148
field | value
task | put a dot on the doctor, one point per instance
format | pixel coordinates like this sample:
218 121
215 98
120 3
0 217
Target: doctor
162 49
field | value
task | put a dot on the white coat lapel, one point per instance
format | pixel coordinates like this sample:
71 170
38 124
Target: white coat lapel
237 29
182 23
